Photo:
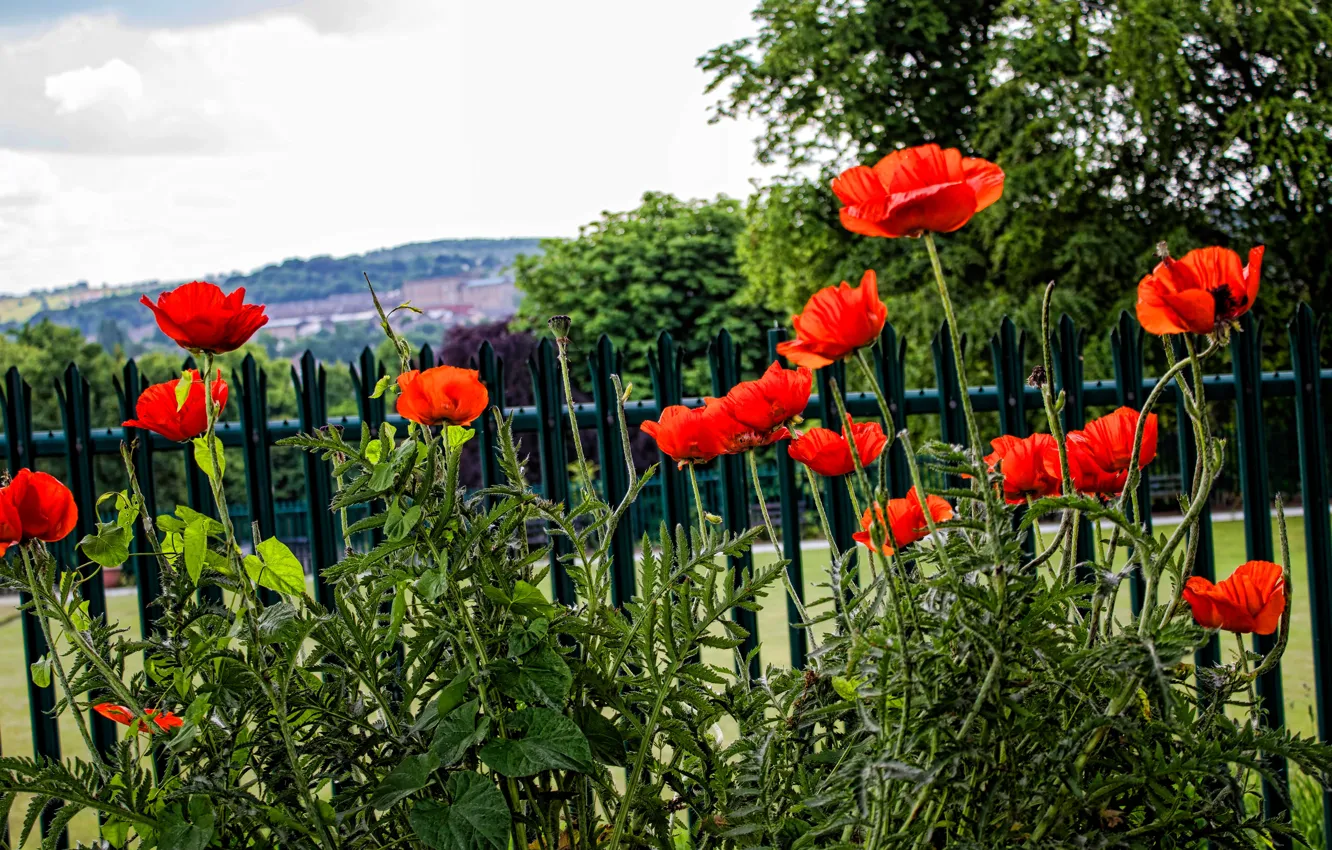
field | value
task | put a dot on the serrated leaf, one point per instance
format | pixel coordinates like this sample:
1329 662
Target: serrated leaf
529 601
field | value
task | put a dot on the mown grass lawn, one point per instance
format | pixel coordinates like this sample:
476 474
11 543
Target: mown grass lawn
1297 666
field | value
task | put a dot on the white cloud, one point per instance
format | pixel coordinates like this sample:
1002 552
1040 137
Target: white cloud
116 83
336 127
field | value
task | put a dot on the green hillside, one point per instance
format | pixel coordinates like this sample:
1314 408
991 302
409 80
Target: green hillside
290 280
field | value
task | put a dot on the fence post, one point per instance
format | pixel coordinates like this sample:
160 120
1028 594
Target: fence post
890 369
149 583
668 389
252 383
1305 335
41 701
365 373
426 358
491 370
198 494
840 514
602 363
546 394
788 488
1010 379
1126 351
1208 655
1066 346
1006 350
74 394
1246 359
952 419
724 361
311 402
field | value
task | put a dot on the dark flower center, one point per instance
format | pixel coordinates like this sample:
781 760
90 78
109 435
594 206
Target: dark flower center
1227 307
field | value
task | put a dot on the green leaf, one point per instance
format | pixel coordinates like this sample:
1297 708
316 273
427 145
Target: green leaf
550 741
380 386
522 641
277 623
400 523
195 547
109 547
458 732
374 451
80 617
476 818
458 436
846 688
178 834
185 514
203 456
183 388
431 585
41 672
411 775
605 739
116 832
539 677
529 601
276 568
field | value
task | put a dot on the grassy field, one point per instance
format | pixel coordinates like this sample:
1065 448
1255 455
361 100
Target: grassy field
1297 666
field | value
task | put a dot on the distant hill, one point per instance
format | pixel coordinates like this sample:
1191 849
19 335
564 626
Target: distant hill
99 312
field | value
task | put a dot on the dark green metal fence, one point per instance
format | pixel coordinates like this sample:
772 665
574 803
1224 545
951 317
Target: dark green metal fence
312 528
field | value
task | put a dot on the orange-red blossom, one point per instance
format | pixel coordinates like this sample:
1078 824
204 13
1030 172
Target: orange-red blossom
1251 600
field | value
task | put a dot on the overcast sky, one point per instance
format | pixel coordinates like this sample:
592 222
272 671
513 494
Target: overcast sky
165 139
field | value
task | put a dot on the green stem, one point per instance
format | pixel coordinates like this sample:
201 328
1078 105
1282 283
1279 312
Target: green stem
39 592
777 544
698 502
956 338
823 514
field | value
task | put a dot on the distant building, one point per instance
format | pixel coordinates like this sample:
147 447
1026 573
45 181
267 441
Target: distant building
491 297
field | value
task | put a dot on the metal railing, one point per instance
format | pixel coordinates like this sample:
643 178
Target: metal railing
1246 387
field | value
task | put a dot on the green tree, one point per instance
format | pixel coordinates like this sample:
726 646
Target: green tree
669 265
1119 124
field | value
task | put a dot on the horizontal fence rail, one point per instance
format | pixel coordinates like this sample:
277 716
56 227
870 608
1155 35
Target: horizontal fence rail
1244 389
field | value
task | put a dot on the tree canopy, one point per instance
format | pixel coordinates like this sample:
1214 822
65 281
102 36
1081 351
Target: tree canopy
669 265
1119 125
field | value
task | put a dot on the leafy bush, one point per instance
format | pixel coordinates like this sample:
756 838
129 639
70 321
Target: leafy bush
971 683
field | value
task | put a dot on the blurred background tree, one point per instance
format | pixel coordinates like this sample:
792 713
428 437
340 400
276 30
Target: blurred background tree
669 265
1119 125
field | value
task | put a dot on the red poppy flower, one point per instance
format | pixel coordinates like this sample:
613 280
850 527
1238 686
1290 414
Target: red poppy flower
735 437
686 434
44 507
835 322
829 453
1202 293
444 395
917 189
1026 466
773 400
1251 600
1098 455
906 518
166 721
11 527
200 318
156 409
